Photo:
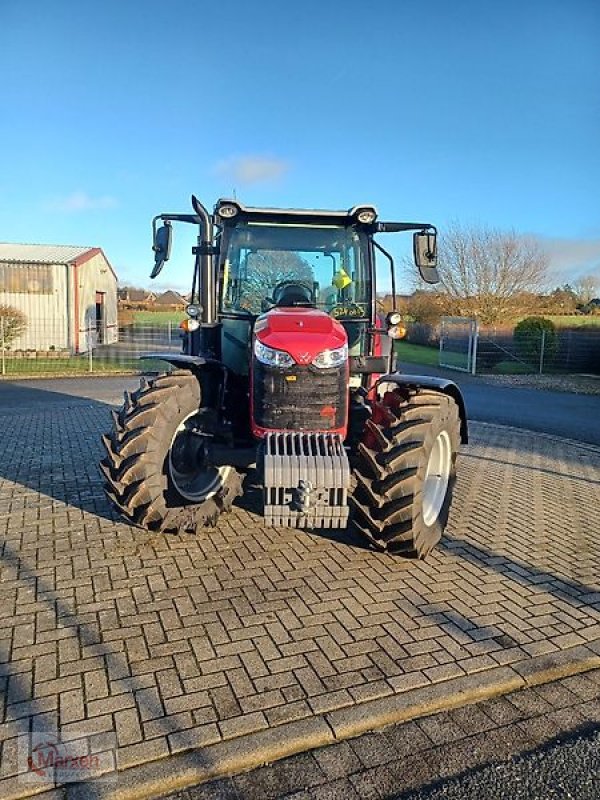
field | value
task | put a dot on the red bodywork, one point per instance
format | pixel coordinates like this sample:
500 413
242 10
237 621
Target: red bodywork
303 333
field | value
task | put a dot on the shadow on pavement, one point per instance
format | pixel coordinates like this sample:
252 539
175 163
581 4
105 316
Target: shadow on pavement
27 713
48 449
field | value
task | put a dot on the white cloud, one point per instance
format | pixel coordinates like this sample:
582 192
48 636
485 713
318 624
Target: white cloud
246 170
572 258
81 201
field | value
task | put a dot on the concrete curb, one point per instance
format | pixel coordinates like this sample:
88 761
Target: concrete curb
244 753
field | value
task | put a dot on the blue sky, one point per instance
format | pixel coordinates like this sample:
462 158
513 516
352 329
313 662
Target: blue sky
481 112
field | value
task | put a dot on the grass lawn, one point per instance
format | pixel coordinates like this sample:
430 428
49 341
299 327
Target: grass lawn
158 316
78 365
67 366
417 354
509 367
576 321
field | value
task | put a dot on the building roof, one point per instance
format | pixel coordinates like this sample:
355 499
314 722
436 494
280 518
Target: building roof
170 297
41 253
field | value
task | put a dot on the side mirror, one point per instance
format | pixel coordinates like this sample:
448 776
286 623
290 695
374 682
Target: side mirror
425 254
161 247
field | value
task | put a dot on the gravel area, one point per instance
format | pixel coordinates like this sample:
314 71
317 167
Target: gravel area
573 384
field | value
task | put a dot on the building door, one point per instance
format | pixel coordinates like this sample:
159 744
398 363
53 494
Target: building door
100 318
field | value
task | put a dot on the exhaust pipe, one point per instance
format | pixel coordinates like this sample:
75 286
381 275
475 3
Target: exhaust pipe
208 295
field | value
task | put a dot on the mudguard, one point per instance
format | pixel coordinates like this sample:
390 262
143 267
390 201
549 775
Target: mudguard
211 374
437 384
181 360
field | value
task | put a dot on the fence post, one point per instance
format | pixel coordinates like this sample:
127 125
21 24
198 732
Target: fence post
169 326
90 351
542 348
2 349
475 334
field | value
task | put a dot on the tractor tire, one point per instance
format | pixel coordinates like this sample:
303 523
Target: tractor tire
405 478
152 432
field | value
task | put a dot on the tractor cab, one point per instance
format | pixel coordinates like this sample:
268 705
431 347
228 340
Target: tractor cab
268 260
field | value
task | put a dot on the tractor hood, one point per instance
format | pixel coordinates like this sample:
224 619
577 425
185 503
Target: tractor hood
301 332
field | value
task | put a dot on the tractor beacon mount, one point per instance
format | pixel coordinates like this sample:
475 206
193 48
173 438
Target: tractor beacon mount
288 368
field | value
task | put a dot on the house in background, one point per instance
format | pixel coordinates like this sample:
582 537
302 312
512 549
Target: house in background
129 297
171 299
68 295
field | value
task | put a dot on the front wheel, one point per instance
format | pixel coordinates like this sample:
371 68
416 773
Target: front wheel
158 470
405 472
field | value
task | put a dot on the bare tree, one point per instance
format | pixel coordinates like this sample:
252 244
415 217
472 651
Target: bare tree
587 288
488 273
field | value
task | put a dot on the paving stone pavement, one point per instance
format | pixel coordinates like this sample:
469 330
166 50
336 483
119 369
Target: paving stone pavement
178 642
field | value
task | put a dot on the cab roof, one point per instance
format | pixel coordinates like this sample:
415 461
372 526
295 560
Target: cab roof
291 216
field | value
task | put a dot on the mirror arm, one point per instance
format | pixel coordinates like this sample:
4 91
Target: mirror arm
397 227
192 218
392 270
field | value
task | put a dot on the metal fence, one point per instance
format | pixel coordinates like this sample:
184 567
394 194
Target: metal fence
46 351
572 350
458 343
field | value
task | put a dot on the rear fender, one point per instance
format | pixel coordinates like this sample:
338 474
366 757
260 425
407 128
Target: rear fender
211 374
437 385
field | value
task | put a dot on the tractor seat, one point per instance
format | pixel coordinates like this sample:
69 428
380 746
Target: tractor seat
293 294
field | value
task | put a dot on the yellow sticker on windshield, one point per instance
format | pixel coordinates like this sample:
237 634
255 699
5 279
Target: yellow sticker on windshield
341 279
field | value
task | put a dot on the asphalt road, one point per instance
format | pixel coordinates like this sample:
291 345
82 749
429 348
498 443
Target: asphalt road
572 416
569 769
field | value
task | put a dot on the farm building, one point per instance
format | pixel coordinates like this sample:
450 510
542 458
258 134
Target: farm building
68 295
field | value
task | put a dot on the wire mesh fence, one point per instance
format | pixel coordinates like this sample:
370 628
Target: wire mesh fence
507 350
48 347
464 345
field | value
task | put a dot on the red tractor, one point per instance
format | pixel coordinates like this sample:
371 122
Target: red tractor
288 367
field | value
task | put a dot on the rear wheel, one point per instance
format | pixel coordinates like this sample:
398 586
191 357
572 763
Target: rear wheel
158 470
405 472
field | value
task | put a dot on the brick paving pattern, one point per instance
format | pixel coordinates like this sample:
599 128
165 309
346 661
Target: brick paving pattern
180 642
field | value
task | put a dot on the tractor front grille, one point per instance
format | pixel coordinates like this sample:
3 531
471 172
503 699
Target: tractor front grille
299 398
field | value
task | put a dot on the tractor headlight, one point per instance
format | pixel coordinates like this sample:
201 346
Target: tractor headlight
393 318
271 357
193 310
331 358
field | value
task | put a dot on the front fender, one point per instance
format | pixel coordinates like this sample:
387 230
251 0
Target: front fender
181 360
210 372
438 385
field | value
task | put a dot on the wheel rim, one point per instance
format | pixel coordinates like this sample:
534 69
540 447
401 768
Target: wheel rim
191 472
437 477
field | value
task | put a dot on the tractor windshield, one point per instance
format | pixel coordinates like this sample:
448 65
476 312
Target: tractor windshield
331 262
